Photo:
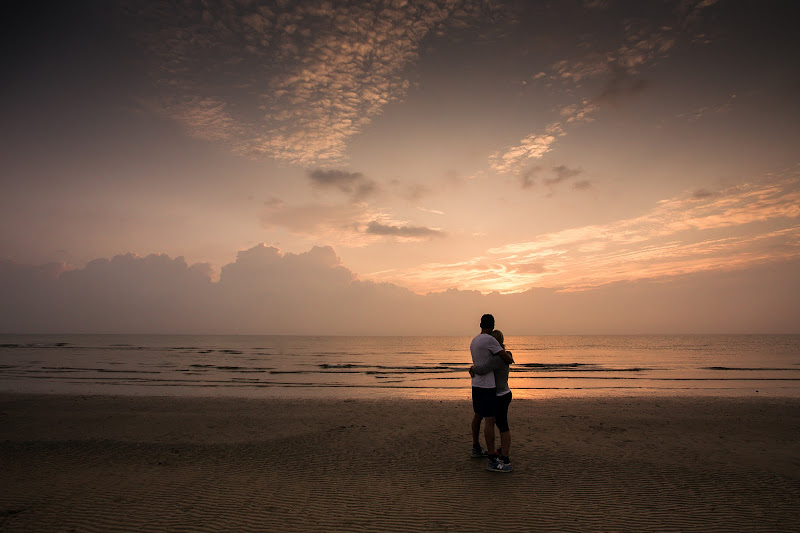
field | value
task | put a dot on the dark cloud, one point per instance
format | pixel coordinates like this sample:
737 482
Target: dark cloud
376 228
702 194
351 183
336 178
582 185
621 84
416 192
563 173
528 176
273 202
412 192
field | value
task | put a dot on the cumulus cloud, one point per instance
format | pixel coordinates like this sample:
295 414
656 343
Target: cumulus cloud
263 269
291 81
268 292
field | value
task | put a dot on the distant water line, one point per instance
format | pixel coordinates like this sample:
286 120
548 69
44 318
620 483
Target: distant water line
307 366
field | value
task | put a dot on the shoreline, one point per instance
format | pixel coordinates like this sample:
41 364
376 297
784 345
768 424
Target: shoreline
341 392
154 463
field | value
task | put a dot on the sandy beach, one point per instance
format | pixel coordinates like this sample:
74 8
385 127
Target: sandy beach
100 463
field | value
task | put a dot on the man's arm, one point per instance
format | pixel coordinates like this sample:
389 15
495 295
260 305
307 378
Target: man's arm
492 364
505 356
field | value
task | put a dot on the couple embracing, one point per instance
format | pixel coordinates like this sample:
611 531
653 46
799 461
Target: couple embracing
490 395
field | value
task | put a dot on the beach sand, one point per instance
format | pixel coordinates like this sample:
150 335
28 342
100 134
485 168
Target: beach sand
95 463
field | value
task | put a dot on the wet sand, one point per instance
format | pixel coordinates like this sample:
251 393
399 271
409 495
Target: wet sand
101 463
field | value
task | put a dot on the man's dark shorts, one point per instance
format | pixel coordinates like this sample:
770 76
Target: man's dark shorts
483 401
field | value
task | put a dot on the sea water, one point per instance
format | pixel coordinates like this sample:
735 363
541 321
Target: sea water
432 367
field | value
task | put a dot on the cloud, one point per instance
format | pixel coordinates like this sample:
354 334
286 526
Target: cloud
563 173
702 193
620 66
264 269
596 4
350 225
693 8
580 112
529 175
531 268
333 223
703 111
620 85
273 202
291 81
534 146
376 228
413 192
643 44
352 183
753 223
268 292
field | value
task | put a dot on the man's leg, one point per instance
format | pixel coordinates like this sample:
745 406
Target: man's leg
476 430
488 434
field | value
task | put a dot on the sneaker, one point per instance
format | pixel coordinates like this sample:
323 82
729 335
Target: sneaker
479 452
497 465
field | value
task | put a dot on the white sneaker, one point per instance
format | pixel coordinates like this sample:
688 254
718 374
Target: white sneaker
497 465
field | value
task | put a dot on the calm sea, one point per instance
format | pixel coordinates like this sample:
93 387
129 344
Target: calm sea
435 367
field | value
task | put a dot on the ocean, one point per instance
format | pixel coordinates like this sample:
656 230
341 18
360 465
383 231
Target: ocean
410 367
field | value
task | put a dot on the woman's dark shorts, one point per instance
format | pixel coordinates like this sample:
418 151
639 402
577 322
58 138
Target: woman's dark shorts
483 401
501 408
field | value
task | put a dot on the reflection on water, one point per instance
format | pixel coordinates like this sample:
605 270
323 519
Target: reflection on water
305 366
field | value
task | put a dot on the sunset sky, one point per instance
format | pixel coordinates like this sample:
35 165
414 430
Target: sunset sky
564 146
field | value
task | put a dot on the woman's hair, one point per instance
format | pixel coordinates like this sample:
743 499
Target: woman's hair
497 334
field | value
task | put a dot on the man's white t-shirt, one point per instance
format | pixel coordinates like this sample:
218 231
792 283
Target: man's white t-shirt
483 347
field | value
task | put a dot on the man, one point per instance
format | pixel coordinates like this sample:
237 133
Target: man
483 347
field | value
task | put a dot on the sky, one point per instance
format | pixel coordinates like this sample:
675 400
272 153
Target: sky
400 167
